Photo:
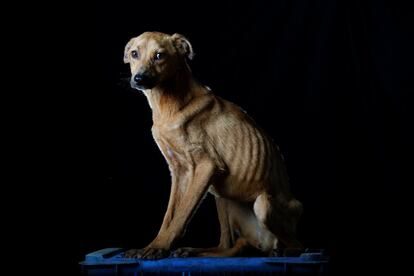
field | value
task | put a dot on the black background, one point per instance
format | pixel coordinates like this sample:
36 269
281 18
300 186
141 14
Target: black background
328 80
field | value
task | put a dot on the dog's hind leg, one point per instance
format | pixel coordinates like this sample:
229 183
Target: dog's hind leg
238 249
233 216
242 233
252 239
280 216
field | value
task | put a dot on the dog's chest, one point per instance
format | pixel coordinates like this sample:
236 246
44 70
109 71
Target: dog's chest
170 134
176 144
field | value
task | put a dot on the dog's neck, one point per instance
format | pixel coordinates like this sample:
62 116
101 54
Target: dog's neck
172 96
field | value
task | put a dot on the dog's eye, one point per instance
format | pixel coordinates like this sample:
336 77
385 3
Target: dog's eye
159 56
134 54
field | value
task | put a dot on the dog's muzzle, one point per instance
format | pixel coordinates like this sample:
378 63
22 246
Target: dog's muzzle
142 82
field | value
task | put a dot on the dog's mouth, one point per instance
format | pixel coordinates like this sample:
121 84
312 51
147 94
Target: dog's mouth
139 87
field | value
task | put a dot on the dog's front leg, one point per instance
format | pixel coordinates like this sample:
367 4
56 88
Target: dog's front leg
184 201
176 195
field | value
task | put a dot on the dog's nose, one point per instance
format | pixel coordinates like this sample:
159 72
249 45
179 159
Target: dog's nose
139 79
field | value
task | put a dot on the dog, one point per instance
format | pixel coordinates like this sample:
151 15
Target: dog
211 146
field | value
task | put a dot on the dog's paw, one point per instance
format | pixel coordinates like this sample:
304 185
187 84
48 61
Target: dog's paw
184 252
151 253
148 253
134 253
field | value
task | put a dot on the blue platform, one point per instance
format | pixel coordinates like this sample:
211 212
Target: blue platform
110 261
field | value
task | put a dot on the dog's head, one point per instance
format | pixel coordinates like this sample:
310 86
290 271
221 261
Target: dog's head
156 57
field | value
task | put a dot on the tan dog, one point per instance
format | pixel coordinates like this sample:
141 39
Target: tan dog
211 145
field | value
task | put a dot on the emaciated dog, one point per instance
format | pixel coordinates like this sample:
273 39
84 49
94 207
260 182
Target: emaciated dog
211 145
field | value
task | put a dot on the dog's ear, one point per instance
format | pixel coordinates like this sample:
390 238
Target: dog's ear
126 51
183 45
